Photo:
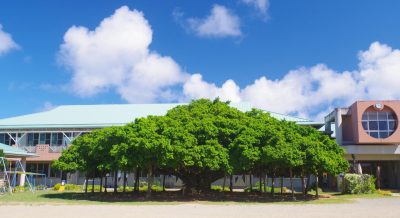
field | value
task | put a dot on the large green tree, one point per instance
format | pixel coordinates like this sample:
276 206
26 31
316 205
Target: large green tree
201 133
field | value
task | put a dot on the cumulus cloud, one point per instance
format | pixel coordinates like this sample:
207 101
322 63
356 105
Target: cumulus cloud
6 42
312 92
195 87
260 5
221 22
116 56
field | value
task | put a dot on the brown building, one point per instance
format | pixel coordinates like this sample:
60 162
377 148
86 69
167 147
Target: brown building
369 132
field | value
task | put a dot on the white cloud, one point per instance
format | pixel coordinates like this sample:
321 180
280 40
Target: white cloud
312 92
116 56
220 23
260 5
6 42
195 87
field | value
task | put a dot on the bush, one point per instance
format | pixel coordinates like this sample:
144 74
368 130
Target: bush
219 188
358 184
155 188
384 192
127 189
68 187
56 187
96 188
20 188
72 187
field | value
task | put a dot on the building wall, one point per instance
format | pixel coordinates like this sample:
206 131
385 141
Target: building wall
357 110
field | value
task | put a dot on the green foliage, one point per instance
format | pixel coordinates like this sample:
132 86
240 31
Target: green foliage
20 188
359 184
57 186
202 142
96 188
219 188
68 187
1 162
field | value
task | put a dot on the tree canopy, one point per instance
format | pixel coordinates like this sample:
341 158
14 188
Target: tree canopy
203 141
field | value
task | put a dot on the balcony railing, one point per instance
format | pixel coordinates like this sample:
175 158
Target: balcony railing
30 149
57 148
52 148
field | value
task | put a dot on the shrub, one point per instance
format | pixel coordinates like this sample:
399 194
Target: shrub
68 187
72 187
56 187
96 188
358 184
384 192
127 189
20 188
155 188
219 188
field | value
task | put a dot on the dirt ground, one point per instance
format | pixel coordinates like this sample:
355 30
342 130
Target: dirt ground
363 208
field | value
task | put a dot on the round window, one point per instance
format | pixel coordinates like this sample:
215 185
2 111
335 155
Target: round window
379 124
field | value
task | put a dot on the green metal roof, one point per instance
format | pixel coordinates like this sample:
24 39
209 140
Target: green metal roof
97 116
13 151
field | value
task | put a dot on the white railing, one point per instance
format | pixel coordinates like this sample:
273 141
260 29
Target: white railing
57 148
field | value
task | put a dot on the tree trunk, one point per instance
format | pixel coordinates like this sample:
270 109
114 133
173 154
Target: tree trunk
265 182
105 184
231 183
308 184
302 184
116 181
136 185
291 183
316 185
251 183
281 185
101 184
163 183
149 182
273 186
92 185
124 182
224 183
260 181
86 183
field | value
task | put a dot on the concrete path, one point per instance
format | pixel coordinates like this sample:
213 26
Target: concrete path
364 208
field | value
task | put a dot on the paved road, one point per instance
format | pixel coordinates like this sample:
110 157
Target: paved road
364 208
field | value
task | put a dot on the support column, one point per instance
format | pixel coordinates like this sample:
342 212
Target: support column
22 176
338 126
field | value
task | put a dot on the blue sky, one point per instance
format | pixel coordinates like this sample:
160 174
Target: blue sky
296 57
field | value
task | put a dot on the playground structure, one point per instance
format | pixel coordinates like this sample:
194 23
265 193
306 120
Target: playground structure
10 169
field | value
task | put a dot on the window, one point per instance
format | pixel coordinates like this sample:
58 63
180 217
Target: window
57 139
33 139
44 138
379 124
6 139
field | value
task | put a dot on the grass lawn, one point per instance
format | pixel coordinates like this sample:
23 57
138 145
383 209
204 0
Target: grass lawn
55 198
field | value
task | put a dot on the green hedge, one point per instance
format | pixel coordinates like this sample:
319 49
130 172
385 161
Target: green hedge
358 184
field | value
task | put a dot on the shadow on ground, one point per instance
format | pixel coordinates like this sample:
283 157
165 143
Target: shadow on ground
178 197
